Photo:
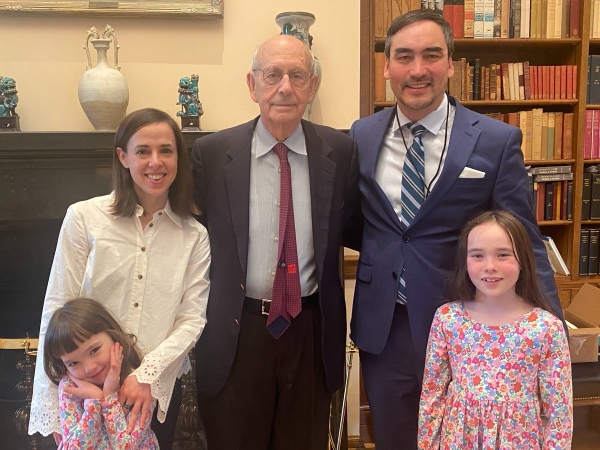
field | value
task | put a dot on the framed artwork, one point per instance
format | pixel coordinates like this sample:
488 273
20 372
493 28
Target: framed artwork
128 8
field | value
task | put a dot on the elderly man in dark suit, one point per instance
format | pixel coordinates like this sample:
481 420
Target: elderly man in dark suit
427 166
275 195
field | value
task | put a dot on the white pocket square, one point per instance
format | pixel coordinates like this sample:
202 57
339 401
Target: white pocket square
471 173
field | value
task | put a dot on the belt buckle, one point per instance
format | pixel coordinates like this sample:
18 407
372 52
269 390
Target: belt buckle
263 302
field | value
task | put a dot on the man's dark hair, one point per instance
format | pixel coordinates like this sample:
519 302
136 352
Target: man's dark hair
419 15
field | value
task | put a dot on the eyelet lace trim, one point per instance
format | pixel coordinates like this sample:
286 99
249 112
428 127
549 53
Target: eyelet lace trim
45 413
161 386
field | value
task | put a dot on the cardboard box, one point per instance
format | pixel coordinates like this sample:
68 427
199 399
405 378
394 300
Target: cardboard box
584 313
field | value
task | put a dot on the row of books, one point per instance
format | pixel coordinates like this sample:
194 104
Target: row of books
552 200
590 193
512 81
591 142
593 80
589 251
552 19
546 135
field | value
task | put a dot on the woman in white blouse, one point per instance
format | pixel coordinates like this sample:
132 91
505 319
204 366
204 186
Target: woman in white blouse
139 252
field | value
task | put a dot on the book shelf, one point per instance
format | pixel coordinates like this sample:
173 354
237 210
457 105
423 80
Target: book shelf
539 52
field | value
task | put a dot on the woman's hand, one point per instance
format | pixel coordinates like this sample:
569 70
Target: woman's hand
84 389
137 398
113 377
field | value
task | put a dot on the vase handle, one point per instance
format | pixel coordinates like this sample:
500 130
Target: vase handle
109 32
92 33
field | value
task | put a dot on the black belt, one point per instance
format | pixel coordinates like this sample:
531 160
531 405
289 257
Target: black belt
264 305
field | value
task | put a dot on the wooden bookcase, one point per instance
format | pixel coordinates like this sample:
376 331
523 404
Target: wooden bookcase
566 233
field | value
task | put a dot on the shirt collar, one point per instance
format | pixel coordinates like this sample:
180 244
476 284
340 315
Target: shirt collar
432 122
265 141
167 210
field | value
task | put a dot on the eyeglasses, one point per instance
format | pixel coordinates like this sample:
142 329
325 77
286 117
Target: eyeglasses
273 75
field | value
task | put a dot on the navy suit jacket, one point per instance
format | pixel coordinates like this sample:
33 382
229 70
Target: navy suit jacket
427 247
221 167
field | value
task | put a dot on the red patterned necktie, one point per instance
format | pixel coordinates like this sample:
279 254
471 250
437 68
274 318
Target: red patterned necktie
286 302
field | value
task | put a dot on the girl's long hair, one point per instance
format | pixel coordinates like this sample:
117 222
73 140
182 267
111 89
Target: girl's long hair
73 324
527 287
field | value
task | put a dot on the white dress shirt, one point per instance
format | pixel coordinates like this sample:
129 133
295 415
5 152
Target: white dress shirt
436 140
264 213
155 281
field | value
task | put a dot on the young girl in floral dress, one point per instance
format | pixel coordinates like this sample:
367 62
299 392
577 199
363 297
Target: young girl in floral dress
498 371
89 355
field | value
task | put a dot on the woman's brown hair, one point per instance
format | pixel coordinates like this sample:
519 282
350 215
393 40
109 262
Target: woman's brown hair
180 192
527 287
73 324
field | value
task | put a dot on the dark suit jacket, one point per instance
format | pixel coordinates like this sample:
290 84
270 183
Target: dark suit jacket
221 165
427 248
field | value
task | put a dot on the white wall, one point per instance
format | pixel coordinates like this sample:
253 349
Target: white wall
44 55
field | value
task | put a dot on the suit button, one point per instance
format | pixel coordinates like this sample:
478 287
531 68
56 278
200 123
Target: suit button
237 322
406 238
394 276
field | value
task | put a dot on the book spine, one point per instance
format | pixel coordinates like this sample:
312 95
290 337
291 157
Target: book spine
551 82
515 14
458 19
488 19
595 80
569 200
574 19
587 142
504 18
558 135
550 140
469 19
563 82
497 16
476 79
553 177
536 139
593 251
549 202
525 17
567 148
586 196
526 80
584 248
557 82
558 13
595 200
478 19
549 170
566 18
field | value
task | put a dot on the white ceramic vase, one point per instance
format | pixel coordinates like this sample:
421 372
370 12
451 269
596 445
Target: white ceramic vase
297 24
103 91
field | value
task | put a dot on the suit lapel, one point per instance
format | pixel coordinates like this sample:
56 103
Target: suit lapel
463 138
321 172
237 179
370 163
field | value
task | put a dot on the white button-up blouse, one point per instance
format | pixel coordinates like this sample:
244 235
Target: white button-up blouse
155 281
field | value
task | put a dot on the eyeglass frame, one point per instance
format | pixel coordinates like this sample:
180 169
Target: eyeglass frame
277 69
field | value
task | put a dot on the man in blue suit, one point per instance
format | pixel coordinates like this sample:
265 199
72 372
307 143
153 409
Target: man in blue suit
471 163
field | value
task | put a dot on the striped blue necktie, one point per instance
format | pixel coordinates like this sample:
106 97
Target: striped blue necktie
413 188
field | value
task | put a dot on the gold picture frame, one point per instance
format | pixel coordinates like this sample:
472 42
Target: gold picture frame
206 9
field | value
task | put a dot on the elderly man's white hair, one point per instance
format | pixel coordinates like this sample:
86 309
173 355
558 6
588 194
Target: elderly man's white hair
312 68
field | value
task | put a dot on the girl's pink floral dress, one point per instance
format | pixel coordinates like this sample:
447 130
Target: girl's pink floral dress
488 387
93 424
